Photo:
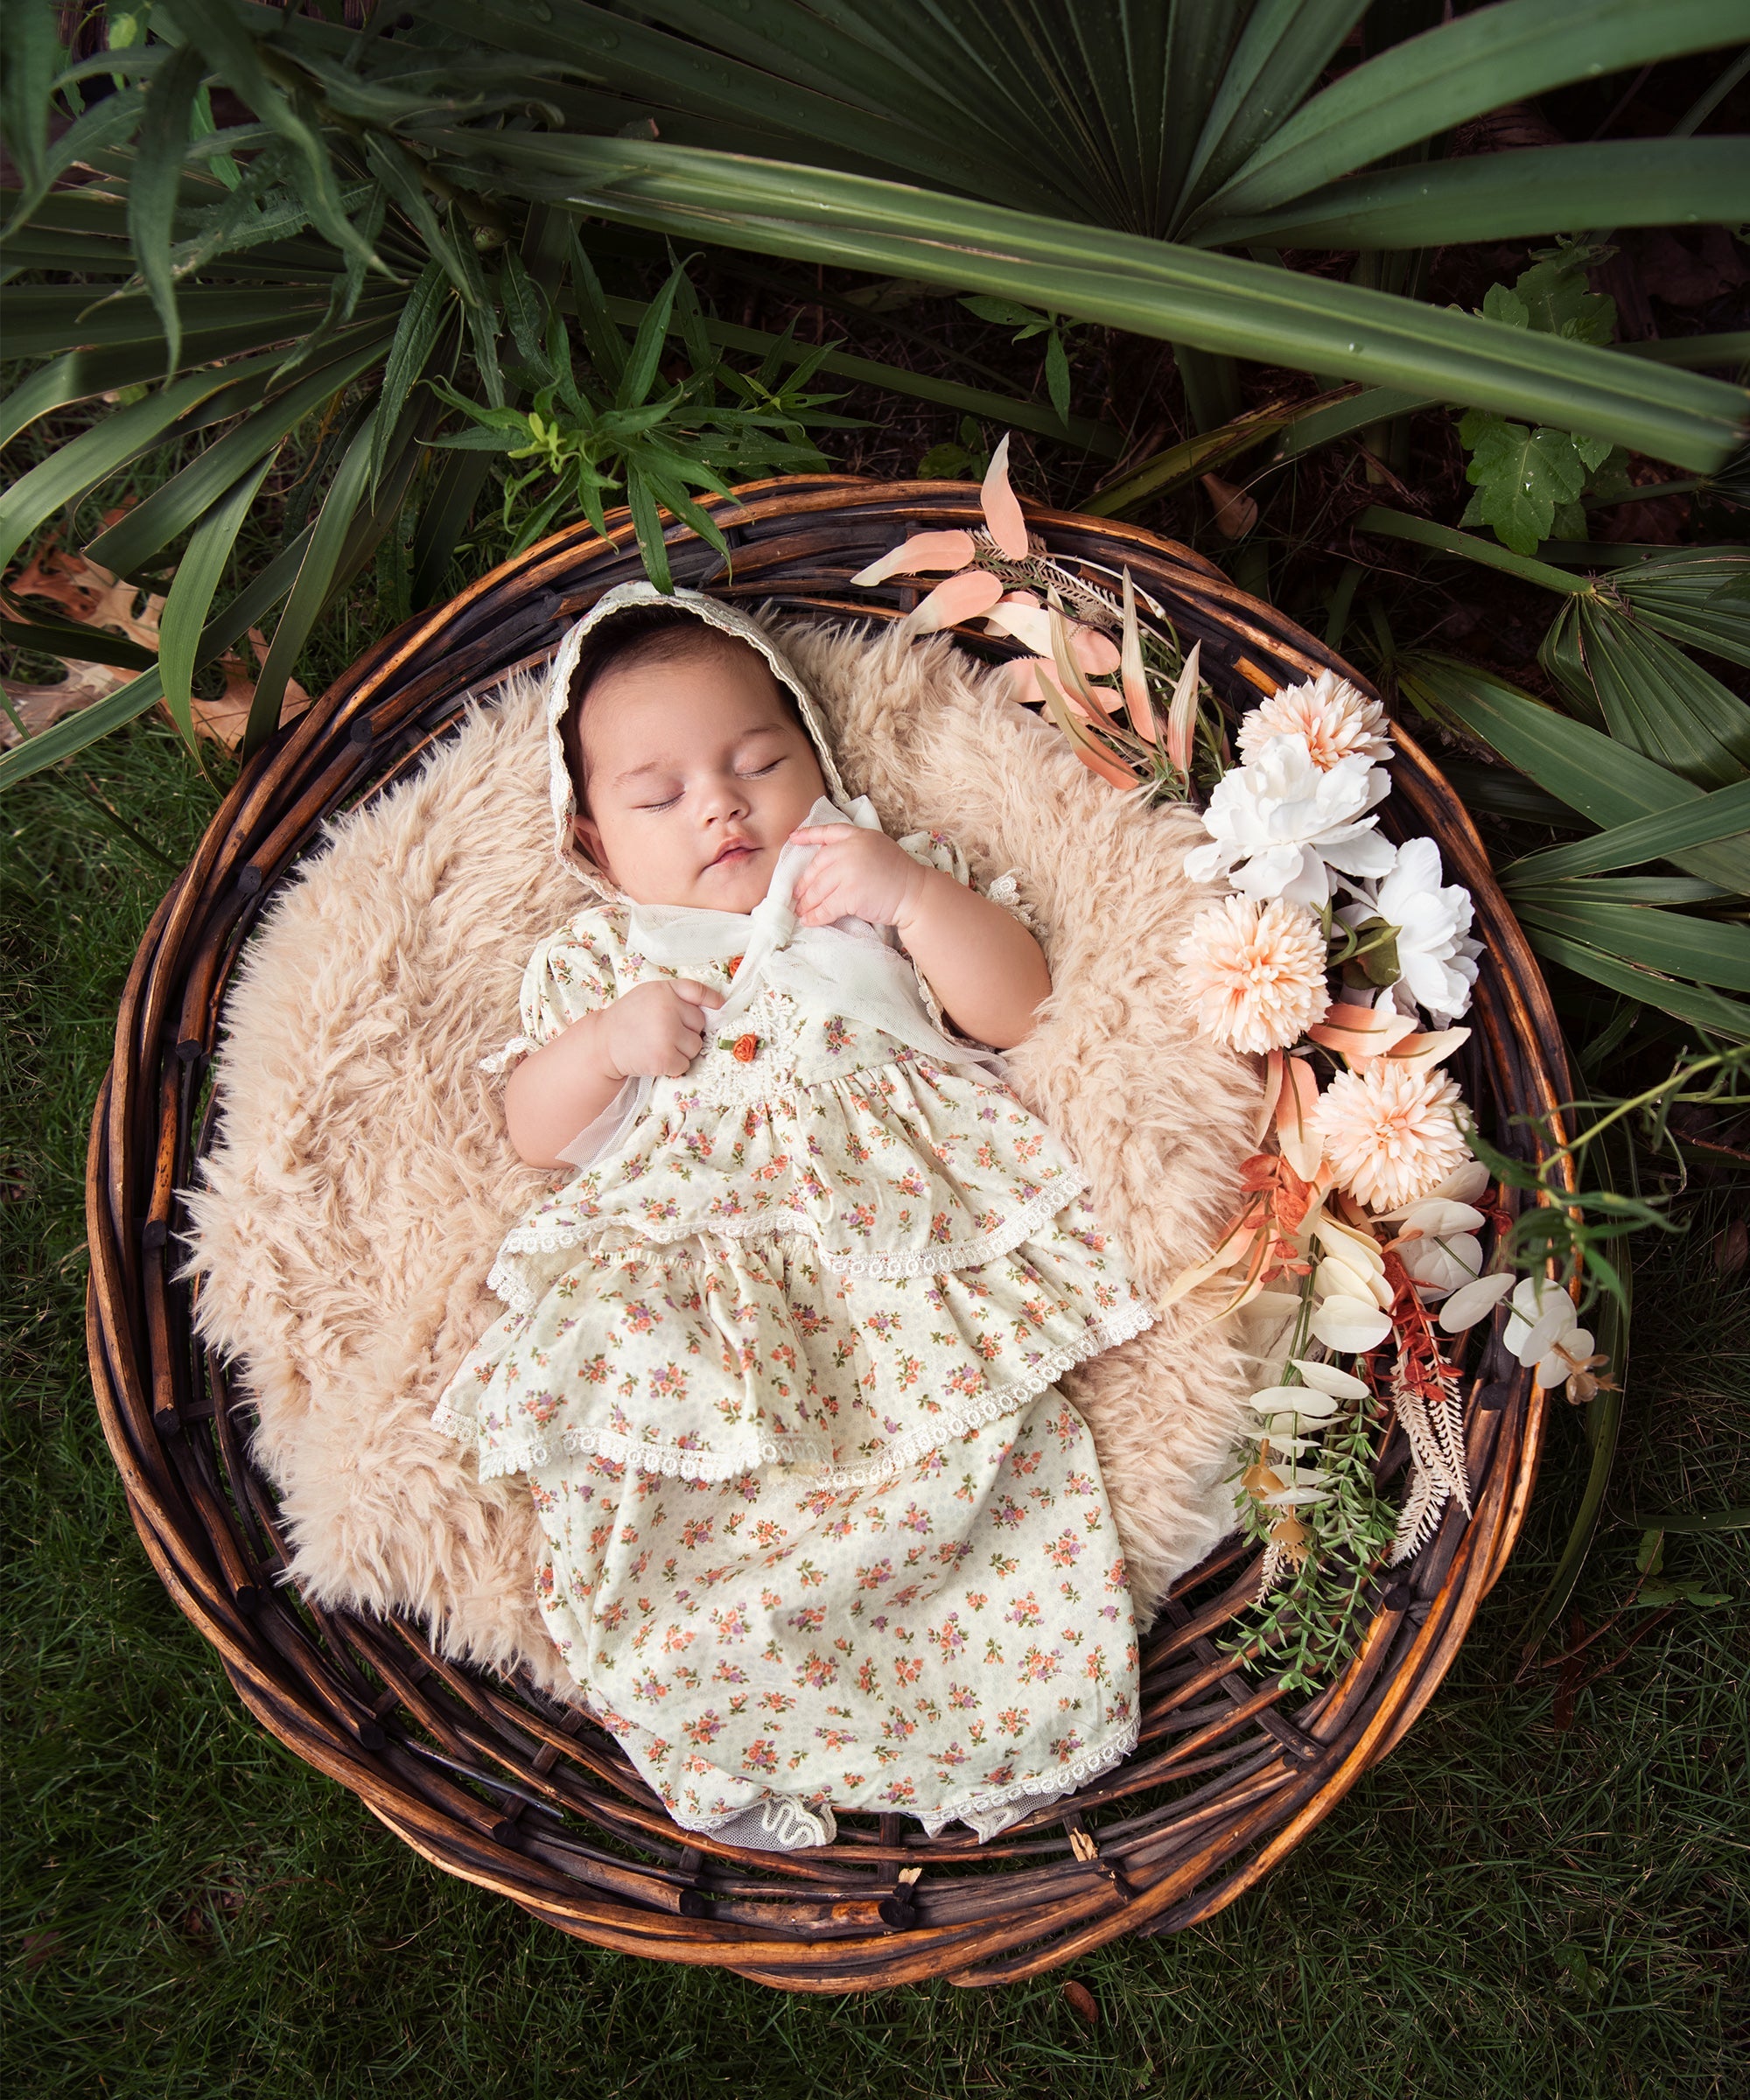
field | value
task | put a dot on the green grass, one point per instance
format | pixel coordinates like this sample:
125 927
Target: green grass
1503 1909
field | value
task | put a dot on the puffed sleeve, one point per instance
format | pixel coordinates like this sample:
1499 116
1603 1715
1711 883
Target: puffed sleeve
572 972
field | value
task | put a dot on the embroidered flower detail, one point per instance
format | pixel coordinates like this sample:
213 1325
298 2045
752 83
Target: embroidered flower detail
743 1049
734 964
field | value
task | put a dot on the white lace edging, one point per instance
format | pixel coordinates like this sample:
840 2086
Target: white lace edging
930 1261
673 1462
1005 891
519 1046
669 1460
1066 1779
1099 1336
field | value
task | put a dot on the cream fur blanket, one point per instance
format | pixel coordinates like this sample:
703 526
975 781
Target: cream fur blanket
362 1179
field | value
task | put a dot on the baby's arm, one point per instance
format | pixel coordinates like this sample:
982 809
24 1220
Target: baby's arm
559 1090
980 961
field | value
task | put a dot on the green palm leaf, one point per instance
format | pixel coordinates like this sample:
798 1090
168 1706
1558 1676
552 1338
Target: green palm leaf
1502 196
1497 54
1603 779
1212 302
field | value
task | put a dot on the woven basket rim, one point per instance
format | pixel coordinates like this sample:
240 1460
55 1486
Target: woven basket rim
495 1784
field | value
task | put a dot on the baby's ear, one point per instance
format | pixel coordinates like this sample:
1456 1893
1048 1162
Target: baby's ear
585 832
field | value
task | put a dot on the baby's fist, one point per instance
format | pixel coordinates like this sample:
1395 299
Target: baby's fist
656 1029
857 874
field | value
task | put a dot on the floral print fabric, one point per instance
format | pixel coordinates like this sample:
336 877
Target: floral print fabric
782 1371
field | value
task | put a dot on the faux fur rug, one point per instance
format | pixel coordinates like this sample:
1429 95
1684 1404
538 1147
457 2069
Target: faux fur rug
362 1179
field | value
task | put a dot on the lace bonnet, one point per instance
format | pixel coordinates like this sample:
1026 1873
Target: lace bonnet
730 620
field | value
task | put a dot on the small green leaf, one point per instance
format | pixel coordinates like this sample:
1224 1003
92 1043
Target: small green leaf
185 609
1057 373
1521 475
1501 304
409 355
1558 301
1006 313
1703 1520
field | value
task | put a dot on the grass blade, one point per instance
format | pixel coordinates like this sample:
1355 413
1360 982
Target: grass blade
1707 950
309 595
1604 1425
1445 539
67 473
409 354
177 505
183 619
152 190
1691 1003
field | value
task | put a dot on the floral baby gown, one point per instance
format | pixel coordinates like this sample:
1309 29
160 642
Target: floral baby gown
780 1364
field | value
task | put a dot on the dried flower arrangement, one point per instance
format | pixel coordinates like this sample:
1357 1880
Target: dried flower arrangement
1334 953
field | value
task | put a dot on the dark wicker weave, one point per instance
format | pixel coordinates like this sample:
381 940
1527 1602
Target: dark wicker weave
492 1783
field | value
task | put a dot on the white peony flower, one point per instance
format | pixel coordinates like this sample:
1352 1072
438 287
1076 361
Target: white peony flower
1279 823
1436 956
1337 720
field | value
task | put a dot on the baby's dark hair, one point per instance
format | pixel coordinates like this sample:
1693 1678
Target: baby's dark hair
646 634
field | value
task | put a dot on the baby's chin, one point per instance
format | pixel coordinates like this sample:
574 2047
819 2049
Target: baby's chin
737 887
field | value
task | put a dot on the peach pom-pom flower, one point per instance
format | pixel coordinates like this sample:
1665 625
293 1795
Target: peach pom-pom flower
1392 1133
1337 721
1257 972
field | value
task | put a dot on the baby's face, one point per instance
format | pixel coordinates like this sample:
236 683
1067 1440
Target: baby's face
698 775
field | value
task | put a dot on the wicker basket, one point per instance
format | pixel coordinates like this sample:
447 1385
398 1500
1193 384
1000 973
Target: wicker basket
497 1785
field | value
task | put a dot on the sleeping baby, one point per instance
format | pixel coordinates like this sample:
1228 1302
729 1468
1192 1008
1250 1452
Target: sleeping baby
780 1357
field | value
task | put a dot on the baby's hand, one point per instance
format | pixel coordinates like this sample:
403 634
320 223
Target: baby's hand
857 874
656 1029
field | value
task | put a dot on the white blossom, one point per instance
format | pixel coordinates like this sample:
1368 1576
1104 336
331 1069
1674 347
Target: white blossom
1279 823
1436 956
1544 1330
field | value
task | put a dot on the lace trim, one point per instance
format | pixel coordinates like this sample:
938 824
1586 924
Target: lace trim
1066 1779
1005 891
519 1046
675 1462
669 1460
798 1824
510 1289
1057 1192
1099 1336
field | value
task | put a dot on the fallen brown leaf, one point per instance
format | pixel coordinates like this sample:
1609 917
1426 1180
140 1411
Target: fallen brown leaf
94 598
41 706
1236 513
1082 2002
